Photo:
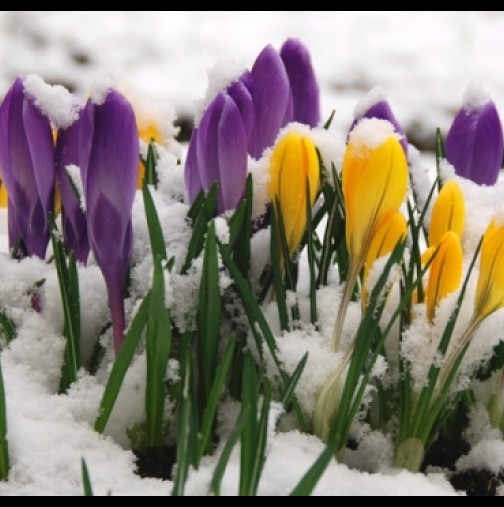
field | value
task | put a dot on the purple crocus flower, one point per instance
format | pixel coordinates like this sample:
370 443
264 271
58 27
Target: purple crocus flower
303 83
474 144
109 154
218 153
73 218
27 161
375 105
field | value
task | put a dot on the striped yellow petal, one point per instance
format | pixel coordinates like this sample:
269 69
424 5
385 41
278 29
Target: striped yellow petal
445 272
392 229
490 288
375 181
294 162
448 213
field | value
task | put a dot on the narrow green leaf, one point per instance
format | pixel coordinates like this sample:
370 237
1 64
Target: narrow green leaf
311 259
220 469
158 245
86 480
209 317
4 446
293 382
261 442
440 155
8 327
210 412
241 252
122 363
276 266
250 394
158 348
196 207
310 480
151 176
185 419
329 121
205 214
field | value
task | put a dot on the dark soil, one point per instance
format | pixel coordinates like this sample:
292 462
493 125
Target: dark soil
156 463
445 453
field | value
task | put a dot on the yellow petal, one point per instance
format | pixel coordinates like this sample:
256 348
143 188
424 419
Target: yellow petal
448 213
388 234
4 198
490 288
445 272
294 161
375 181
427 255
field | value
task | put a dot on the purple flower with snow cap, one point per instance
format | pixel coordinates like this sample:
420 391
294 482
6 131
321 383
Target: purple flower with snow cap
27 165
218 153
109 154
375 105
73 218
303 83
474 144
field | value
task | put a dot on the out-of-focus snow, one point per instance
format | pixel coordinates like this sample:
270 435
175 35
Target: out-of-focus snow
423 60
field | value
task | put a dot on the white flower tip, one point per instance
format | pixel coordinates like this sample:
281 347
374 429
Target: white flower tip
372 133
476 97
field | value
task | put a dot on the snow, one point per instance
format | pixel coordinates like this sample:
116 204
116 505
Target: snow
370 133
476 97
55 101
160 61
375 95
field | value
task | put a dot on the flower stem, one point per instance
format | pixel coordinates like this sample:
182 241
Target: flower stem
410 455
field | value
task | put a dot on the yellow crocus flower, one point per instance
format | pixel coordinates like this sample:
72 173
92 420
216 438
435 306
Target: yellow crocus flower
445 272
375 182
490 289
448 213
293 163
392 229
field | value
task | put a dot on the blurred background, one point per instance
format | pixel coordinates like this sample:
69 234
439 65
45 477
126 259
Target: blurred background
424 60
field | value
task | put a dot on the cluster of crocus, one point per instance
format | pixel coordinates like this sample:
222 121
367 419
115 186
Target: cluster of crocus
103 144
445 234
474 144
245 119
294 179
375 182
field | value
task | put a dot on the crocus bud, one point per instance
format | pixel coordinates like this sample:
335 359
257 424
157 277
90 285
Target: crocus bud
490 289
218 153
294 164
375 105
109 161
445 271
448 213
303 83
392 230
474 144
375 181
27 150
272 99
73 218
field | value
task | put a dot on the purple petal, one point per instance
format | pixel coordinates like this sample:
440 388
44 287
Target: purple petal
86 140
29 210
474 144
73 218
40 143
240 93
303 83
232 141
382 111
191 173
271 96
113 159
207 149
